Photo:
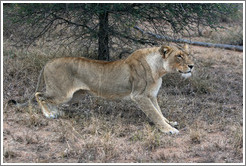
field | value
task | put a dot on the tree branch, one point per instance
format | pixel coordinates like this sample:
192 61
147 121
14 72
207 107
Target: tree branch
167 38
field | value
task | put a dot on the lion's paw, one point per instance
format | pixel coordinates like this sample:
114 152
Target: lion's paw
54 114
51 115
51 112
173 123
171 131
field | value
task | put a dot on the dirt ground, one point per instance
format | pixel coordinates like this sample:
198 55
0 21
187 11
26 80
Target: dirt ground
208 107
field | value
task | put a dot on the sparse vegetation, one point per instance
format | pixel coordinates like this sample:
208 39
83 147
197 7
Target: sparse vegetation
208 107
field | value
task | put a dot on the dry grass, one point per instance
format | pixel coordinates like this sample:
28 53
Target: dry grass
228 35
208 107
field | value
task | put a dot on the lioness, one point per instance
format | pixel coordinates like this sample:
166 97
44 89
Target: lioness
138 77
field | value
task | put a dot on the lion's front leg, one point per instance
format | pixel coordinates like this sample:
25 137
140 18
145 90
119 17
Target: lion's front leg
150 110
155 103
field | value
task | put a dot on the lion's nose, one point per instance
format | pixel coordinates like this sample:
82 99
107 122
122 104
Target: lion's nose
190 66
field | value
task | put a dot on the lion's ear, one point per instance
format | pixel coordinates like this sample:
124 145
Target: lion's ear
164 50
186 47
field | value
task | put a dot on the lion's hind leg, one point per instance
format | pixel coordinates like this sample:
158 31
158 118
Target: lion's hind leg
48 109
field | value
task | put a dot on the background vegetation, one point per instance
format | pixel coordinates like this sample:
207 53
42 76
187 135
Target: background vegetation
104 26
208 106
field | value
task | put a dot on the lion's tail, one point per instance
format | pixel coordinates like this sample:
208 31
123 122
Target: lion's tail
40 80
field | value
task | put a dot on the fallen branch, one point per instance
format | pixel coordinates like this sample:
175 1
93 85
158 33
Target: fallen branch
225 46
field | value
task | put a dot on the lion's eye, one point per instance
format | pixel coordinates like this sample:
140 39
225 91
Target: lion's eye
179 56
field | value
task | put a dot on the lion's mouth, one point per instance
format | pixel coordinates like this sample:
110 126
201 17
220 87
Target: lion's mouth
184 72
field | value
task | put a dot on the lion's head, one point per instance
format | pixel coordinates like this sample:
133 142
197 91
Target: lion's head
177 60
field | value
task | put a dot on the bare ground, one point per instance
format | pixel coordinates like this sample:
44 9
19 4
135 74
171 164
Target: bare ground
208 107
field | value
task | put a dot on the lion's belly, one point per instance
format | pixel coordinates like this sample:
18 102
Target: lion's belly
110 87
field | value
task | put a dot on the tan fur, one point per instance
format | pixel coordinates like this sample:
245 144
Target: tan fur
137 78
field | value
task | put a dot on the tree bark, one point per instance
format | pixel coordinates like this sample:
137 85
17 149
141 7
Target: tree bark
167 38
103 49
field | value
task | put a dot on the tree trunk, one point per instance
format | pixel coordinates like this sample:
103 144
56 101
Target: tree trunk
103 49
